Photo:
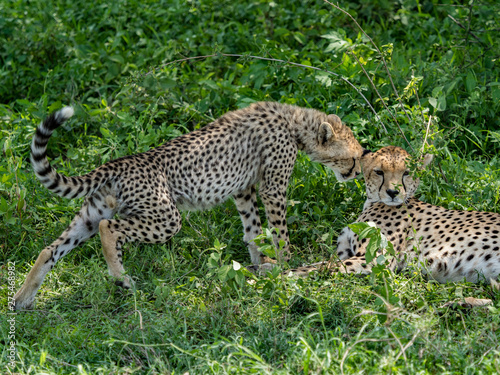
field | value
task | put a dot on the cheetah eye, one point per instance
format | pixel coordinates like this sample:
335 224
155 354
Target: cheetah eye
380 173
406 173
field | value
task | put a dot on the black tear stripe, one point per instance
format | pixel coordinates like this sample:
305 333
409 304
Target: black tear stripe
350 170
403 182
383 179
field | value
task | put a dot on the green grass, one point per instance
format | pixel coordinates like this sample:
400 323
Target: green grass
187 314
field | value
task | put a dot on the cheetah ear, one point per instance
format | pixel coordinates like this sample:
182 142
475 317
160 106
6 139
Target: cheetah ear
427 160
326 133
334 120
366 158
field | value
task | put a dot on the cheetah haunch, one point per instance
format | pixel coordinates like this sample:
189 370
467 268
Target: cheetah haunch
229 157
449 245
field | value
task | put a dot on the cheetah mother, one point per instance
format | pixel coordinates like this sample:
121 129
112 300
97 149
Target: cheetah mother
227 158
449 245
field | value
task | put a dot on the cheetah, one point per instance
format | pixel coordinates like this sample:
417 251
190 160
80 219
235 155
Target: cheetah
227 158
450 245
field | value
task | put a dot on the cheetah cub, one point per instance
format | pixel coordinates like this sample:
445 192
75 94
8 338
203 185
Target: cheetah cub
227 158
450 245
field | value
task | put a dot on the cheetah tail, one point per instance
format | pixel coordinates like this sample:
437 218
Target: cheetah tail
68 187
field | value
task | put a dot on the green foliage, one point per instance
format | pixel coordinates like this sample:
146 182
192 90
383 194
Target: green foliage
195 308
232 274
382 249
266 242
378 242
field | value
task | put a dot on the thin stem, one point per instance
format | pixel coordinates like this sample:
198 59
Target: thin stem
408 344
467 30
418 99
380 97
400 345
426 134
380 53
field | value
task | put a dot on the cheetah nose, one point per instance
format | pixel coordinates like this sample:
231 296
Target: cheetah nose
392 193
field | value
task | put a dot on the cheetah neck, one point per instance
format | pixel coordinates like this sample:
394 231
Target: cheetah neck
303 124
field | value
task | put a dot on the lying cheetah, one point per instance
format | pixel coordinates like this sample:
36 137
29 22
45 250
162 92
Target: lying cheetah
229 157
450 245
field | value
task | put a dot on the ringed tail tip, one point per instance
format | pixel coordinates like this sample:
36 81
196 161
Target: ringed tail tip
65 113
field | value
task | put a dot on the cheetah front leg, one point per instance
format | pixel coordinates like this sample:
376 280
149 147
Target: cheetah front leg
274 201
246 203
347 244
352 265
352 252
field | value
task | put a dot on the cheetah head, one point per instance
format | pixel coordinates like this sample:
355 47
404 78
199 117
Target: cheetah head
338 149
387 176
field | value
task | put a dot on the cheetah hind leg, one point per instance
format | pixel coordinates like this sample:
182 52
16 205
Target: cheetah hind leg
115 233
111 250
83 226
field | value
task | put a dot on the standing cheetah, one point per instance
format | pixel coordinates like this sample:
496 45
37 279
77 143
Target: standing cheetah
227 158
449 245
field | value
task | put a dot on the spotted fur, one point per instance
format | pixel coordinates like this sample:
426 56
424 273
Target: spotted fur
227 158
450 245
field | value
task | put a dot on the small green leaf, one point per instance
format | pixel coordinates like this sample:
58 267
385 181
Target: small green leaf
105 132
394 300
371 249
268 250
367 232
470 82
299 37
210 84
117 59
441 102
239 277
359 227
390 248
222 273
438 103
381 259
